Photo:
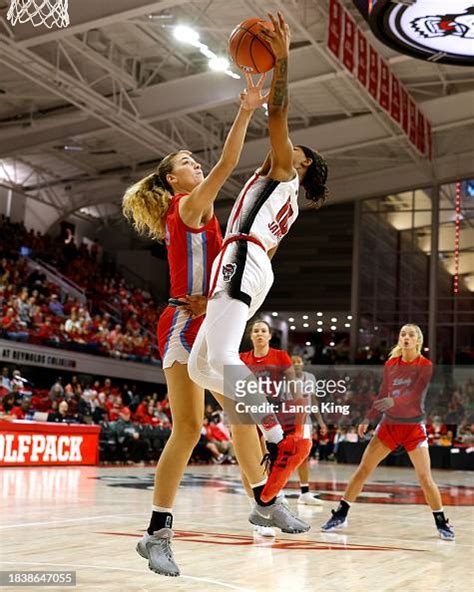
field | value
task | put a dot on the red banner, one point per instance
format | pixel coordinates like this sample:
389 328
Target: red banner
362 47
27 443
384 98
421 139
335 27
349 42
429 139
413 134
395 105
405 114
373 73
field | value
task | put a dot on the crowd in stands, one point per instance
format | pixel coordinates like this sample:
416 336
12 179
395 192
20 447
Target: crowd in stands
135 427
117 320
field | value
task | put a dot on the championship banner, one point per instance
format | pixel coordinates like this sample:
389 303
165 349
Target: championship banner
349 42
429 139
25 443
405 114
384 98
413 135
421 138
373 73
362 47
395 104
335 27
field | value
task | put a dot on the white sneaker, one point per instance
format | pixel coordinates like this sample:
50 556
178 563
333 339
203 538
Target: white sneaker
309 499
264 531
280 498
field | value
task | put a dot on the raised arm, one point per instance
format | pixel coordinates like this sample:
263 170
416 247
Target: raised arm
278 103
203 196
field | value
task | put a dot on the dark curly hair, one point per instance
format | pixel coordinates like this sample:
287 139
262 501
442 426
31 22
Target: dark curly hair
314 181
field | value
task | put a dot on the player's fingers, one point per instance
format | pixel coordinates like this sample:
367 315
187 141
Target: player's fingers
281 21
249 79
274 21
261 80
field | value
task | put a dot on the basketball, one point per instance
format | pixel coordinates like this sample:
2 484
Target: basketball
248 50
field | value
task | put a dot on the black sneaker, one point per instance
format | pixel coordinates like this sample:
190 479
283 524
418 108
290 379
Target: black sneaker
335 522
446 531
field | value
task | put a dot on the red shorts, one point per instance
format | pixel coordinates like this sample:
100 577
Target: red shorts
176 334
408 435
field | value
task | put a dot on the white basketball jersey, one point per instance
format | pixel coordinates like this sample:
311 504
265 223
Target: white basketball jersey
265 209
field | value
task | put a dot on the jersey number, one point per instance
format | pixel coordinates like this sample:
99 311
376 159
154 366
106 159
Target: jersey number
279 227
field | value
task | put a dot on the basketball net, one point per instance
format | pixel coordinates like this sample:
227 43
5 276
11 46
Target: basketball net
39 12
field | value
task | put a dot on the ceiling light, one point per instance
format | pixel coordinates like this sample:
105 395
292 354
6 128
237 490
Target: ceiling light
333 320
305 317
347 325
185 34
305 324
333 327
274 314
308 343
320 330
291 319
332 344
219 64
320 322
292 328
349 317
319 314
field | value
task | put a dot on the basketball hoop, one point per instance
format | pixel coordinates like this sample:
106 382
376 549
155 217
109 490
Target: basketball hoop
39 12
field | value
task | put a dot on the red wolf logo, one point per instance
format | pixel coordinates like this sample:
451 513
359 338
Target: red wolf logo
459 25
228 271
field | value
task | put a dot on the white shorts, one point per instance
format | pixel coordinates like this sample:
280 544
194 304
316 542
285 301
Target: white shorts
244 271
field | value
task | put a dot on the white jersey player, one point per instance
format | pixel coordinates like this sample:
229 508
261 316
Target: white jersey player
242 273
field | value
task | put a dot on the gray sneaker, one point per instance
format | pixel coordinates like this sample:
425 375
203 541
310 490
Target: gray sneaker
156 548
279 516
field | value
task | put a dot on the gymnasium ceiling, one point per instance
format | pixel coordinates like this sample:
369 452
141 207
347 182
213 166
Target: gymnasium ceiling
86 110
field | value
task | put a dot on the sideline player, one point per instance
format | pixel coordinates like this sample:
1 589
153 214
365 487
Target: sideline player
242 274
309 388
406 378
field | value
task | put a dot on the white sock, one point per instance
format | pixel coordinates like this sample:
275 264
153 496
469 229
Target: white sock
160 509
274 434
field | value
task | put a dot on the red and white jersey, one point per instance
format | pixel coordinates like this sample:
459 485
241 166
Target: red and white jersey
407 384
265 209
191 252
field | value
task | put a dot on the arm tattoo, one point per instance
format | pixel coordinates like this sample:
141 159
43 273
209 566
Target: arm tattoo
279 96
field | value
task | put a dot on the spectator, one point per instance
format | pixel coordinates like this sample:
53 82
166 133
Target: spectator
55 307
5 383
23 410
221 440
62 415
134 446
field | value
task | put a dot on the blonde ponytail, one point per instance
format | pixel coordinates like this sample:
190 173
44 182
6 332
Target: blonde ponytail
145 204
397 351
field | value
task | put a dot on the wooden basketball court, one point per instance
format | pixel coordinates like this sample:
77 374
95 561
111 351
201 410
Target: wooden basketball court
90 519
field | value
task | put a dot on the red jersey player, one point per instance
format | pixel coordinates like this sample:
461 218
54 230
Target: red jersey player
407 375
176 204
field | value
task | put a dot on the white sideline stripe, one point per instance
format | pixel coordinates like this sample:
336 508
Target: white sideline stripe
90 518
209 581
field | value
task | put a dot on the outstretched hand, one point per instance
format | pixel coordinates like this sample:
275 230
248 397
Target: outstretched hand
196 305
279 38
251 98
